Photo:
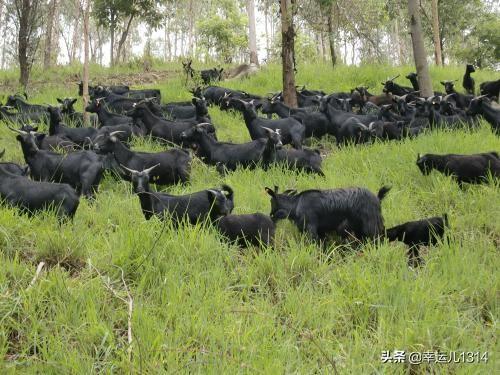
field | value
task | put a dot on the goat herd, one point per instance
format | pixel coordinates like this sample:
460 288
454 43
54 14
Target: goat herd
70 161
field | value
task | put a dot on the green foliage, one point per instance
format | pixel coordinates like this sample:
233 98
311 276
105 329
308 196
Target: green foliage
203 306
482 44
109 13
223 30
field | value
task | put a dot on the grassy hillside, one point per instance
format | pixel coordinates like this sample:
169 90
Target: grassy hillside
200 305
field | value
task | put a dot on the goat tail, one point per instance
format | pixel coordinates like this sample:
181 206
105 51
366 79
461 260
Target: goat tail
383 192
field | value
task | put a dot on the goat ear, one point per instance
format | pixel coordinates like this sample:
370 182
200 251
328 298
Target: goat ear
270 192
73 101
418 156
59 100
442 82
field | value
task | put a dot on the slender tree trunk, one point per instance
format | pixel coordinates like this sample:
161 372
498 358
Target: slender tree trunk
123 38
47 56
112 27
76 31
252 33
86 60
331 37
266 26
435 32
288 51
419 54
23 10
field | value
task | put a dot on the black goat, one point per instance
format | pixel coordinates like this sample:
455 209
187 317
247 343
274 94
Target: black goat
32 196
418 233
105 117
211 203
413 77
319 212
211 75
19 102
387 130
76 118
306 160
82 170
173 165
120 89
391 87
352 130
482 106
468 82
160 128
464 168
491 89
254 229
79 136
292 131
462 101
13 168
231 155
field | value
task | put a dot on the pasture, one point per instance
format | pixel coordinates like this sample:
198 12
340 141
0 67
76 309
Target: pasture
203 306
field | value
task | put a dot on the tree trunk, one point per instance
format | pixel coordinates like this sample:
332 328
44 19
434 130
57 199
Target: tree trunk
287 8
331 37
419 54
76 31
23 10
123 38
266 21
112 27
47 56
435 32
252 33
86 61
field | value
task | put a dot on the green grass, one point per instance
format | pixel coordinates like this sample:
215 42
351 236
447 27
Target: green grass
202 306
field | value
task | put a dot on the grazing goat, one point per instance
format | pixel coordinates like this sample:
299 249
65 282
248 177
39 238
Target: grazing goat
173 165
211 203
306 160
32 196
418 233
482 106
464 168
105 117
254 229
352 130
82 170
319 212
468 82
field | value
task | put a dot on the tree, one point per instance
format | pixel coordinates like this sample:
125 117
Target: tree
252 34
435 32
419 54
288 9
112 14
86 19
50 49
29 17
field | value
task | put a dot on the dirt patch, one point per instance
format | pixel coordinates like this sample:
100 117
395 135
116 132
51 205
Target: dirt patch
132 79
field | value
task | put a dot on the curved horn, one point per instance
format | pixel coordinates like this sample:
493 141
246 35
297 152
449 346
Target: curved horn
17 130
481 96
392 79
150 169
267 129
128 169
116 132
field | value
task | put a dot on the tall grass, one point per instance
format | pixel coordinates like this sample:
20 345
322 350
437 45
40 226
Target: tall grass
204 306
